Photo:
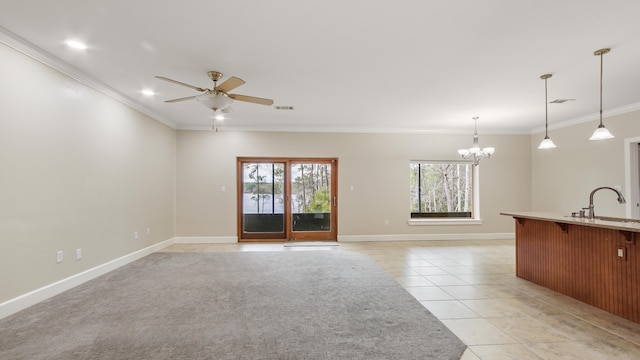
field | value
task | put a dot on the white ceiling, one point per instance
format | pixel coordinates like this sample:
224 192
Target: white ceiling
372 66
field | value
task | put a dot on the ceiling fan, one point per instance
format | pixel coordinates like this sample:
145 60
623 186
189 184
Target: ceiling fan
217 99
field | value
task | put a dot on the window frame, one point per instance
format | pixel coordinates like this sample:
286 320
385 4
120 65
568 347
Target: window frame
475 218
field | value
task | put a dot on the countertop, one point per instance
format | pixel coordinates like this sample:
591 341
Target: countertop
566 219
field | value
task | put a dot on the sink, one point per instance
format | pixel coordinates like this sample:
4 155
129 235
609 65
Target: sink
607 218
622 220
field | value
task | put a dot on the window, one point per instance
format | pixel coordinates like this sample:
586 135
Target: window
263 197
442 190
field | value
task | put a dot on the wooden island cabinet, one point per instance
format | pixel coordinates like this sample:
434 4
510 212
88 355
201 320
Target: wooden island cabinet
594 261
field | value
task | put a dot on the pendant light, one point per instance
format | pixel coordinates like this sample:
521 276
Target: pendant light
601 132
546 142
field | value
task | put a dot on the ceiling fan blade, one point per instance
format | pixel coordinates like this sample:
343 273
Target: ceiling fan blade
230 84
181 83
251 99
180 99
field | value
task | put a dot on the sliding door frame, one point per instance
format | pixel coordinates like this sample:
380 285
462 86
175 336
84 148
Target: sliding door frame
289 234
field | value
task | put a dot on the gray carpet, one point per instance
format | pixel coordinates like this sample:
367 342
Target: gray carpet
240 305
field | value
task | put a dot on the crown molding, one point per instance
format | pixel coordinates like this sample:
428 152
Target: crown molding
591 117
16 42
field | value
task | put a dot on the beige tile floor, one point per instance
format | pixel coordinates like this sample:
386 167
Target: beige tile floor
471 287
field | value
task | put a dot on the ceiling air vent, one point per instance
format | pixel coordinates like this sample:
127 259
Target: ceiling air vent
561 101
284 107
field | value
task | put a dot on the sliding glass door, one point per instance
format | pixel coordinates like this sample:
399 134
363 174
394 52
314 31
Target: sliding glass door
287 199
313 200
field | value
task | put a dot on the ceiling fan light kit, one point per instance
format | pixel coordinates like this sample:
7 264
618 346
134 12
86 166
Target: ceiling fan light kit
214 101
220 115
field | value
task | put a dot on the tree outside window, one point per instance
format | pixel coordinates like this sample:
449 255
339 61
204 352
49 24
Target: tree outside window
441 189
310 188
263 188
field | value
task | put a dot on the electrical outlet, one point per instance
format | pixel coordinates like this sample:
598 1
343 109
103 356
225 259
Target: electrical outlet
59 256
620 252
78 254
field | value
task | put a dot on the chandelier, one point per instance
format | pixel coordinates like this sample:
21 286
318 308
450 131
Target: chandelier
475 152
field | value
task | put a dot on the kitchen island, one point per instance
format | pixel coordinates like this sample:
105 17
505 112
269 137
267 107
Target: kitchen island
596 261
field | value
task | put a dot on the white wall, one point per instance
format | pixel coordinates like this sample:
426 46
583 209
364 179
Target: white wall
563 177
377 165
78 170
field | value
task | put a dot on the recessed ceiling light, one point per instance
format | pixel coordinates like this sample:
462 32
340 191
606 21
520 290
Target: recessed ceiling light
147 92
75 44
280 107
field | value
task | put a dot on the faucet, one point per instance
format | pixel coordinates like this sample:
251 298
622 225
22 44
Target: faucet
621 199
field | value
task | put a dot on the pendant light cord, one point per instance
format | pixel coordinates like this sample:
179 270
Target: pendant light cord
546 111
546 105
601 61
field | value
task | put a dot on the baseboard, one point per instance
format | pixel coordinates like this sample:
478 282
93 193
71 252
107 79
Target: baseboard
426 237
359 238
206 240
31 298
